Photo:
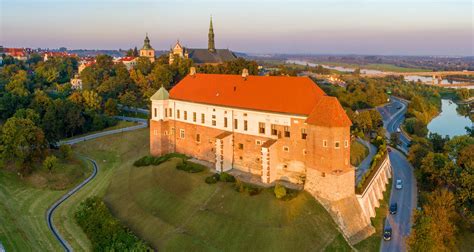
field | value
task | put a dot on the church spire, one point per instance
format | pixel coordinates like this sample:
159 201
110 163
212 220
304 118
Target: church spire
211 46
146 44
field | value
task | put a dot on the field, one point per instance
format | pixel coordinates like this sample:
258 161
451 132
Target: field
120 125
358 152
380 67
373 242
24 203
176 211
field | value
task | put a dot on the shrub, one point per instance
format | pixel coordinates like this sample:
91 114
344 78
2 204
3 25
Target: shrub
50 163
252 190
150 160
212 179
280 191
104 231
144 161
226 177
66 151
190 167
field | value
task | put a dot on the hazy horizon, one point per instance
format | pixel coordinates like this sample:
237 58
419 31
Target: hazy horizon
339 27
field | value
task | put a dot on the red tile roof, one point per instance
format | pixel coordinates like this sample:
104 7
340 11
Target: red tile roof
291 95
328 112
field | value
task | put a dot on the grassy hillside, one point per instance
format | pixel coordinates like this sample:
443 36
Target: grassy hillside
177 211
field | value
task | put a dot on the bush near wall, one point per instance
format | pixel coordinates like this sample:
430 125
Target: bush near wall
151 160
190 167
104 231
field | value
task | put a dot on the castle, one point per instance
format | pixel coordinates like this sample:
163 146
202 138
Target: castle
211 55
274 127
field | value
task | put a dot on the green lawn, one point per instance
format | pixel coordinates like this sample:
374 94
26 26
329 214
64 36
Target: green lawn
373 242
176 211
358 152
24 202
120 125
380 67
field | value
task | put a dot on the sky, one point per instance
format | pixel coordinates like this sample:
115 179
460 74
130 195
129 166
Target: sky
375 27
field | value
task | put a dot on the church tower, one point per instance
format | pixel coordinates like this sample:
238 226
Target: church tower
211 46
147 51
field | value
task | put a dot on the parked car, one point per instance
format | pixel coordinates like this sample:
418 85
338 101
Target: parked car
393 208
387 234
398 184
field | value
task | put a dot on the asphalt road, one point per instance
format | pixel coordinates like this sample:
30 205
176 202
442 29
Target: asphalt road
365 164
50 211
407 196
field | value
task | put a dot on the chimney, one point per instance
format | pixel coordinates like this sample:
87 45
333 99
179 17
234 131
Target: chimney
192 71
245 73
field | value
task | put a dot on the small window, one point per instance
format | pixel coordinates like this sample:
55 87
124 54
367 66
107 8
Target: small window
166 113
185 115
287 131
274 130
286 149
240 158
261 128
213 122
156 112
166 132
258 142
203 118
241 146
236 124
171 112
303 134
336 145
325 143
245 125
194 116
155 132
346 143
181 133
245 114
305 152
225 122
177 113
213 116
172 130
198 138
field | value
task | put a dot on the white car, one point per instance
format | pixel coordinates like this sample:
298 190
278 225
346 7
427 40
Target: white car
398 184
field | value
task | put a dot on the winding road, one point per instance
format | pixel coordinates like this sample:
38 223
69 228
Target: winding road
143 123
393 115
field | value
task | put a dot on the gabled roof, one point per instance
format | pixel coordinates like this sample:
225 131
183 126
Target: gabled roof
328 112
200 56
281 94
161 94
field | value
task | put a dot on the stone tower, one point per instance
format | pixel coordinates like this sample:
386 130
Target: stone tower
147 51
211 46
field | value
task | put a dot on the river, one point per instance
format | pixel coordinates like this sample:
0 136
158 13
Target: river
449 122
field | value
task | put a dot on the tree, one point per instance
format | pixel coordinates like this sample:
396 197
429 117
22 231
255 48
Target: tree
28 114
161 76
363 121
129 99
135 52
144 65
395 139
111 107
50 163
420 147
92 100
40 102
18 83
66 151
22 142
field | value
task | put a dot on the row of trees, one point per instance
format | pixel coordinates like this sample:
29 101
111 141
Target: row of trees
445 173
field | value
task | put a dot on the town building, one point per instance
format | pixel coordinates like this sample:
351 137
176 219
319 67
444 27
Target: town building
211 55
16 53
147 51
129 62
76 82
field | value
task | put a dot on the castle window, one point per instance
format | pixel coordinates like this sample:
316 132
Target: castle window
156 112
185 115
166 132
245 125
172 130
305 152
258 142
346 143
336 145
303 134
155 132
171 112
261 128
236 124
198 138
203 118
194 116
274 130
286 149
241 146
181 133
177 114
225 122
213 116
245 114
287 131
166 113
213 122
325 143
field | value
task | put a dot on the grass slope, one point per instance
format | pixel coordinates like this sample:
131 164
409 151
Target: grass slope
177 211
112 153
24 203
